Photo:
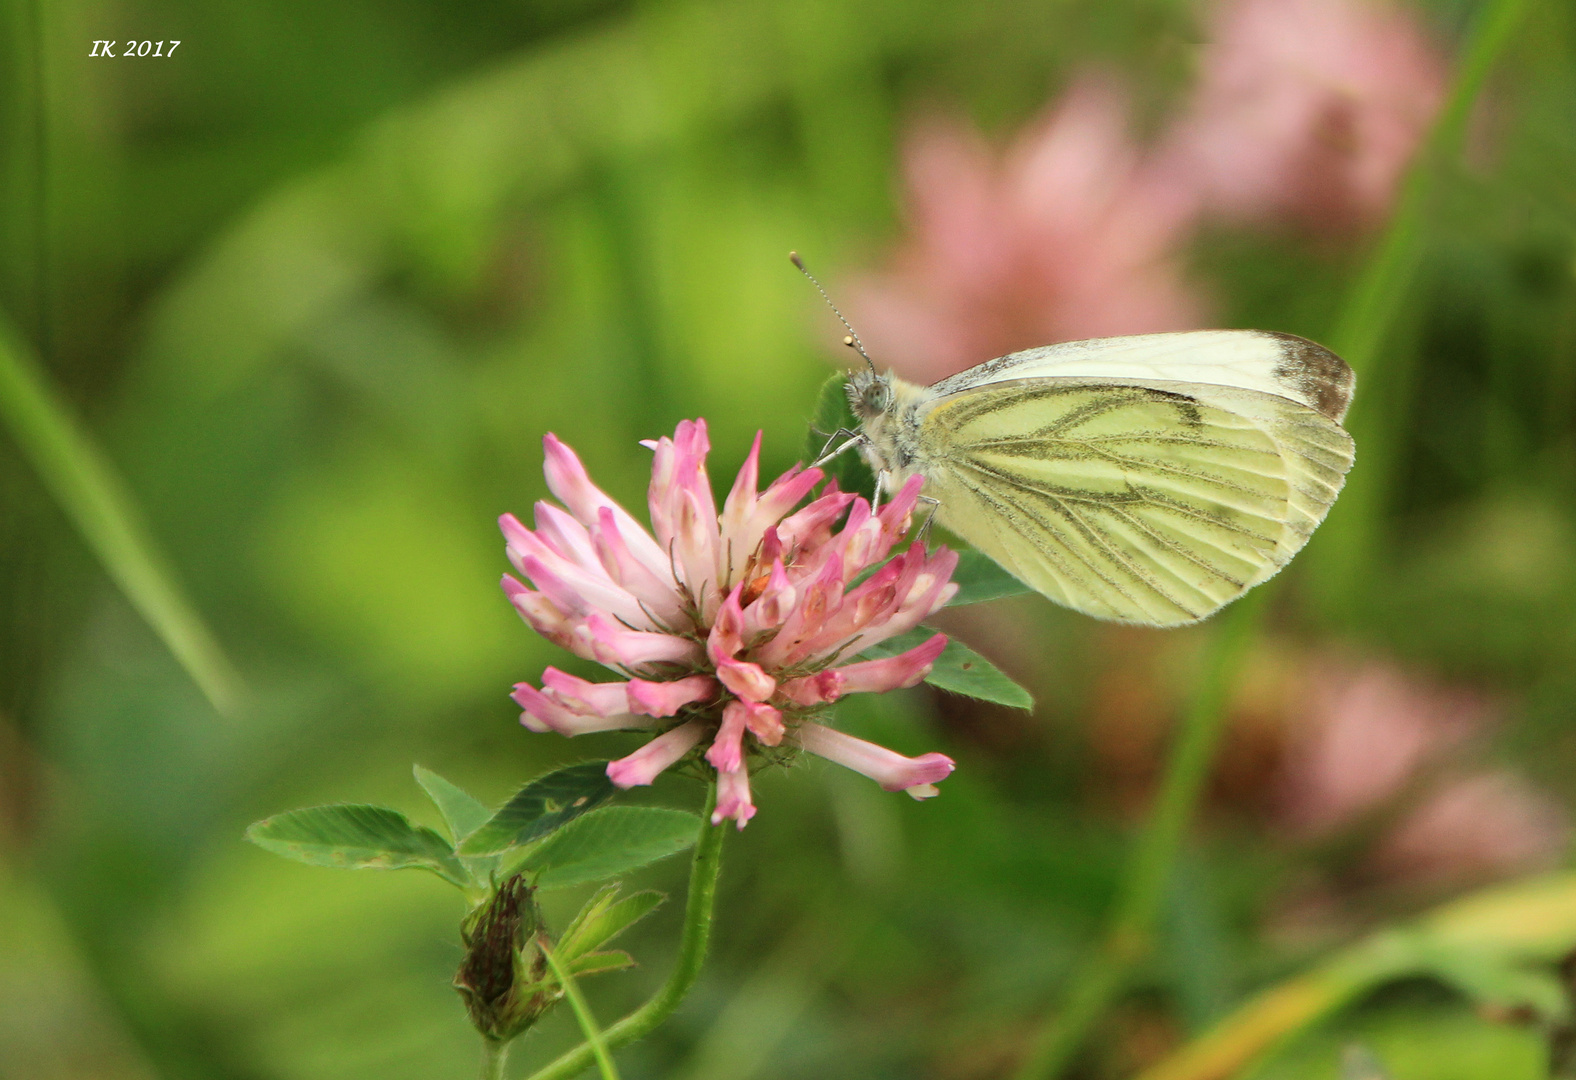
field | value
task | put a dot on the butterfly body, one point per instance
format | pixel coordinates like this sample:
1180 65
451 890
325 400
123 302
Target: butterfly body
1146 479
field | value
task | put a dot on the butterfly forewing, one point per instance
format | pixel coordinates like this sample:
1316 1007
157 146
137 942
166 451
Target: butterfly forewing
1281 365
1152 502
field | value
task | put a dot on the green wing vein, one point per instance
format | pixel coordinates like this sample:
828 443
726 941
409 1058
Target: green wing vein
1136 503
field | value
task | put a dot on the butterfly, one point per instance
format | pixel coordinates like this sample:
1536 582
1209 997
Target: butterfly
1147 479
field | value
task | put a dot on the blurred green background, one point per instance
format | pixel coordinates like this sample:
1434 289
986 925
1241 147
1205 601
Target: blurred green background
317 284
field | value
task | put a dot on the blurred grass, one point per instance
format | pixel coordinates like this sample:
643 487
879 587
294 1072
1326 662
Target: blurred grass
88 490
320 287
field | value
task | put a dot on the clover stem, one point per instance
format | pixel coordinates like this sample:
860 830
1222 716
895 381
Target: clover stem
495 1053
696 935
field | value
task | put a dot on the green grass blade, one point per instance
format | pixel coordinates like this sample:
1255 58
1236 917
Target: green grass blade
88 489
1354 535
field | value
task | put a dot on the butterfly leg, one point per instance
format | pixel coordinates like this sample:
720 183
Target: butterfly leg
875 500
923 536
853 438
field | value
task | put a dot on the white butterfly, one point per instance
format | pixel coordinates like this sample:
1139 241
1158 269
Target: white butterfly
1146 479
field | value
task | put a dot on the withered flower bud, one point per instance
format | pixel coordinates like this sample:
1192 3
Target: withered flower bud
504 977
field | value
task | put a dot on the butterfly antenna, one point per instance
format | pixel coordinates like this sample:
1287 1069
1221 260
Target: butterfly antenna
852 340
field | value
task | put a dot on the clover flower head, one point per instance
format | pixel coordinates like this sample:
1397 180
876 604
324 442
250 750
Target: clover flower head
731 629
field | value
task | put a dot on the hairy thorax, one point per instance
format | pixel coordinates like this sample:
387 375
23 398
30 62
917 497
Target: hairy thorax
889 410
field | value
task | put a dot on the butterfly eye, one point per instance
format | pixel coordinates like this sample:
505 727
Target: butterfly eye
877 397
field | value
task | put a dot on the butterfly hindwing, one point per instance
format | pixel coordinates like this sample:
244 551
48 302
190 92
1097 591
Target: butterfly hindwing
1151 501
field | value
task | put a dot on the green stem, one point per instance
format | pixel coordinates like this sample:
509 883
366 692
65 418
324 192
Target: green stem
1377 419
494 1055
582 1010
1130 934
692 953
1378 292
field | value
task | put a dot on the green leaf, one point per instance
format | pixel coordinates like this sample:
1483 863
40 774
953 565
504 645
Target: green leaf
357 836
610 842
981 579
1488 978
462 813
958 669
603 919
598 962
831 413
85 484
542 806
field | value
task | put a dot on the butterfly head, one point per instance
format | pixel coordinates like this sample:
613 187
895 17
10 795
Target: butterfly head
869 393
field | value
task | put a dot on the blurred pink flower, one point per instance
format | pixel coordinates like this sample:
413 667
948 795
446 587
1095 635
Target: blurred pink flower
1071 234
1491 825
1307 108
1374 736
1362 736
730 629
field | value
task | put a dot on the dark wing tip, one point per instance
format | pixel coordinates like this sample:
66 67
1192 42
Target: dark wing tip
1314 375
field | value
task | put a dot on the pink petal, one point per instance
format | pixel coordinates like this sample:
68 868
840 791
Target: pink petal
818 600
667 698
772 608
764 722
783 495
573 587
542 713
733 798
539 612
891 770
812 690
895 672
736 512
897 514
586 698
584 591
864 540
1307 108
655 594
567 479
927 593
560 531
604 641
748 680
695 544
812 526
727 749
726 639
744 532
869 606
679 468
771 548
645 764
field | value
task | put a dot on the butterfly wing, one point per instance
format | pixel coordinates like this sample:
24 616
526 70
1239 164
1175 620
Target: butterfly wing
1132 497
1281 365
